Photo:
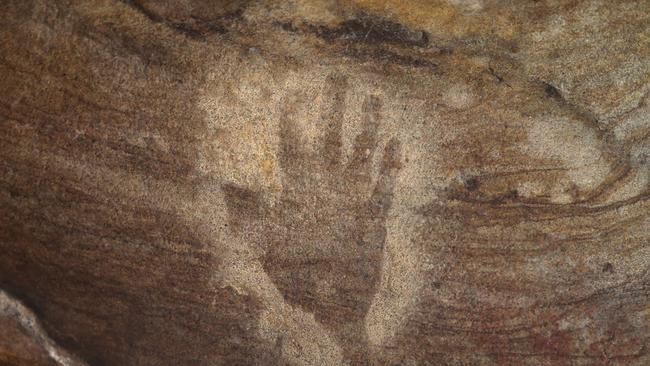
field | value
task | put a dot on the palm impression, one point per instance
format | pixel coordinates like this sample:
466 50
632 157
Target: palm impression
323 240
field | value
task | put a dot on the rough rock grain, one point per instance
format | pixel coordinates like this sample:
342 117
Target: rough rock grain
325 182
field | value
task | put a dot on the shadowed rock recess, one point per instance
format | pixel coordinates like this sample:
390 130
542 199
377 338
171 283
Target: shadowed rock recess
324 182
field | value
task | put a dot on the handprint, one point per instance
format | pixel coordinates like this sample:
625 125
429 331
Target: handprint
323 241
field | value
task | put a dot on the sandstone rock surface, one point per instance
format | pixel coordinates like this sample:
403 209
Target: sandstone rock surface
325 182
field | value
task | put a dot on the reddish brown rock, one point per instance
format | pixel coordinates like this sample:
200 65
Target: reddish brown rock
18 349
326 183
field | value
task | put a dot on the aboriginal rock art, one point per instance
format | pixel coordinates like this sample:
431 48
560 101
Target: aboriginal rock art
307 183
323 240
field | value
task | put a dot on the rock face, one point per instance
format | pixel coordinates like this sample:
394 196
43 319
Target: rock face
23 341
351 182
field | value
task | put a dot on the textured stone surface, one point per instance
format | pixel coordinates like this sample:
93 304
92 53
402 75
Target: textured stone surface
23 341
361 182
18 348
